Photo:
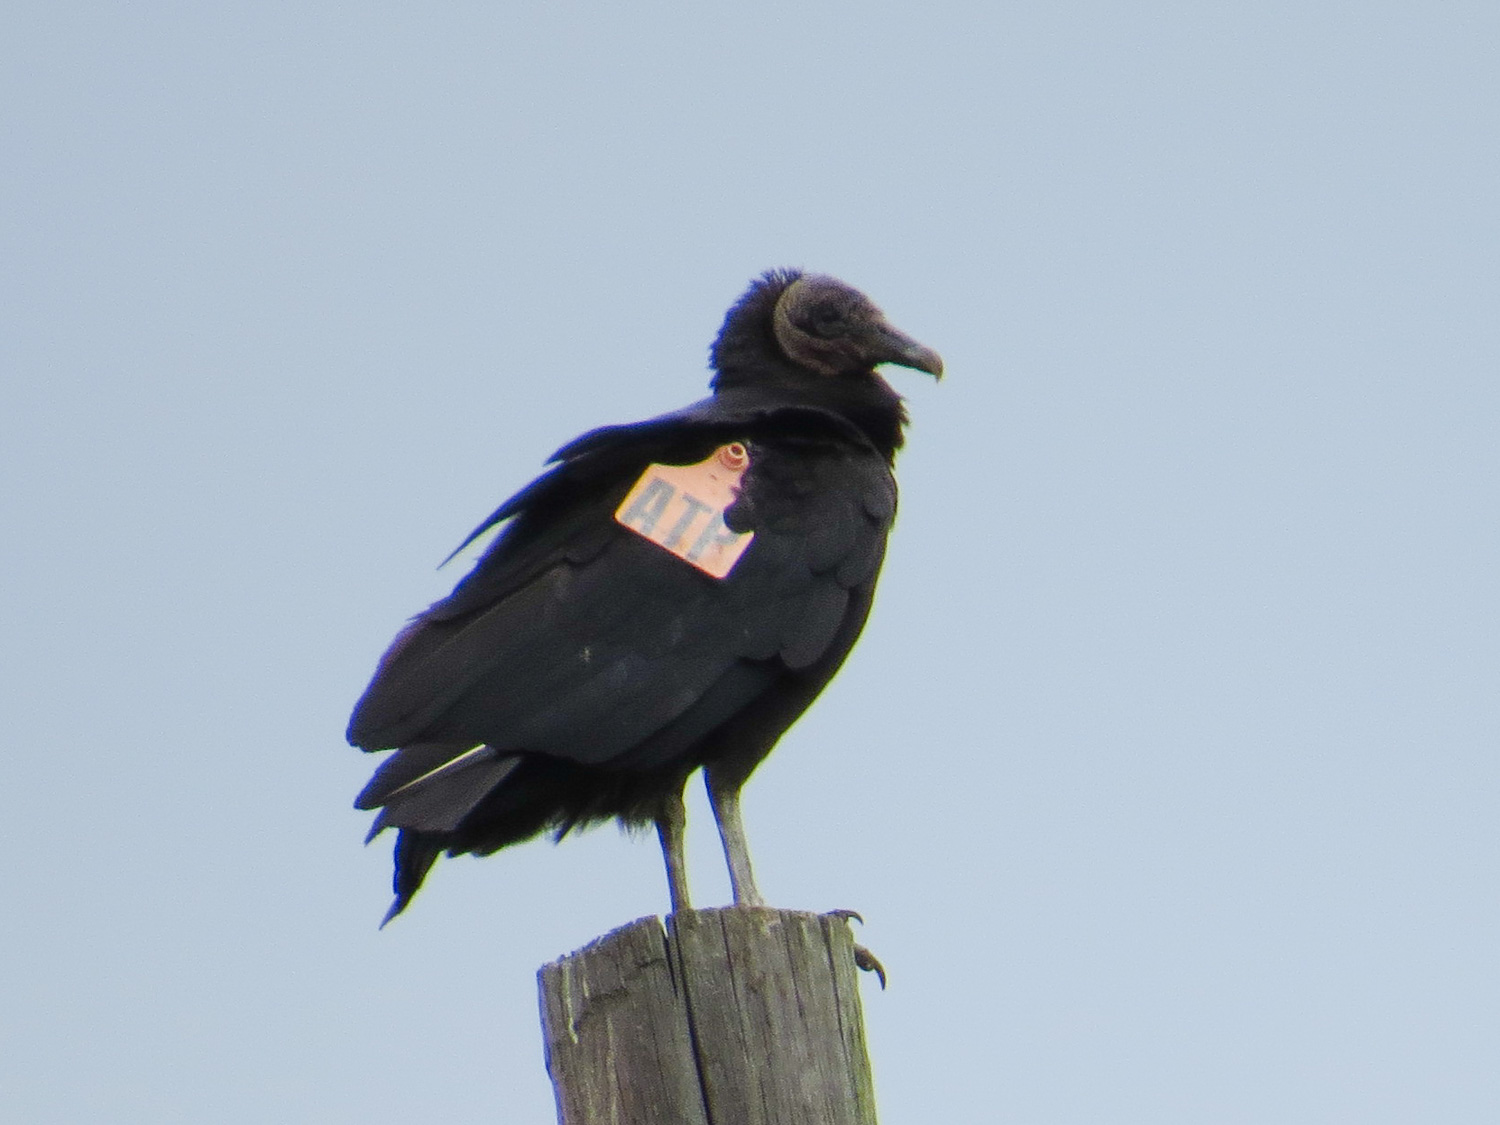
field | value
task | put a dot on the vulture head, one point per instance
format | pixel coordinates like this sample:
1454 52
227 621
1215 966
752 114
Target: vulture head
791 327
812 339
834 329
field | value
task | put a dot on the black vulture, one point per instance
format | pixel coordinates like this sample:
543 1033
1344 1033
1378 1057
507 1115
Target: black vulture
670 595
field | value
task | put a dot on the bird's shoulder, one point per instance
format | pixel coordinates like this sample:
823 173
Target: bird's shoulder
812 477
569 612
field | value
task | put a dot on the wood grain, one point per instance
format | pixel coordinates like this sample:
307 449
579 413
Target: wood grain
731 1017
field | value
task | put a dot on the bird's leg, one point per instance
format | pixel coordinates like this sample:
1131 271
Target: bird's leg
671 821
724 796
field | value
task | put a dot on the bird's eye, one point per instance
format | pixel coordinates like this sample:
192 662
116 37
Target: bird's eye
825 320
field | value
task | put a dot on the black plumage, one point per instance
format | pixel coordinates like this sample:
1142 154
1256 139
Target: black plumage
582 671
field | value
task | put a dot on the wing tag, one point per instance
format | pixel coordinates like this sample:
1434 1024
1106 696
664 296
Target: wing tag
681 508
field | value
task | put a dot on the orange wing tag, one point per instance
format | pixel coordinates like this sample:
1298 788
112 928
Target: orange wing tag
681 508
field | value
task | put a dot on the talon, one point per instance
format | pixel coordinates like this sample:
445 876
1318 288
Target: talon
864 960
869 963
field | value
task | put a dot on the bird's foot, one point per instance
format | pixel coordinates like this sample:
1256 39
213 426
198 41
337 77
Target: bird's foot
864 960
867 962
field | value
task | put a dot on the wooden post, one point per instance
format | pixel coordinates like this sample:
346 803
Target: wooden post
730 1017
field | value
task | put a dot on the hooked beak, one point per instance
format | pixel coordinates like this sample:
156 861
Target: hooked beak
899 348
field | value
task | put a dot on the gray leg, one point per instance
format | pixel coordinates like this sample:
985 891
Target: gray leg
671 820
725 799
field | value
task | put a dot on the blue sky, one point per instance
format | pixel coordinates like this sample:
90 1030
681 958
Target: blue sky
1165 775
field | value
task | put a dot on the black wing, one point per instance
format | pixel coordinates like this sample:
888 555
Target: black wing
576 639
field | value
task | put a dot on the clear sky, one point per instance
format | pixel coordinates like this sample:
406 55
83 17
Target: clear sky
1166 775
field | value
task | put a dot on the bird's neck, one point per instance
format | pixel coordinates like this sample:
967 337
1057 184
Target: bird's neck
865 400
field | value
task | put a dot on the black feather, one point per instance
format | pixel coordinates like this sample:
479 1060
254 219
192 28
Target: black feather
581 671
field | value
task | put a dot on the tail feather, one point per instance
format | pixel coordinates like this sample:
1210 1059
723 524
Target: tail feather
410 764
426 790
412 792
416 852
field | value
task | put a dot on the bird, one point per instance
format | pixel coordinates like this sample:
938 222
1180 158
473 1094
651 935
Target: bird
668 596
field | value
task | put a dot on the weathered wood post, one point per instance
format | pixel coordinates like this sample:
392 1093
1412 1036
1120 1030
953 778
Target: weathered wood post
733 1016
